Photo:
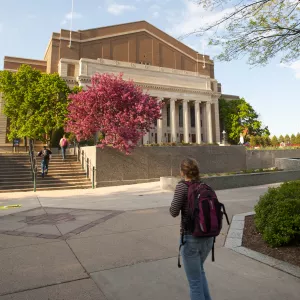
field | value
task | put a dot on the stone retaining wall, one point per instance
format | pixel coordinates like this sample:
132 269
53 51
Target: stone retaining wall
263 159
150 163
287 163
237 181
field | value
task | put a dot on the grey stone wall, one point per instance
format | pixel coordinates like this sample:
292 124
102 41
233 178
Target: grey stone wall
287 163
150 163
237 181
261 159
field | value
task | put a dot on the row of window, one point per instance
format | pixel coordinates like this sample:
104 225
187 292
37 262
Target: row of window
144 63
180 109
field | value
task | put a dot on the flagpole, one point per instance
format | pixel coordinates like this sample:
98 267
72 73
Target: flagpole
71 25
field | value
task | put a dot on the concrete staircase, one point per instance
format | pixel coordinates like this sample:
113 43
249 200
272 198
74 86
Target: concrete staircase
15 174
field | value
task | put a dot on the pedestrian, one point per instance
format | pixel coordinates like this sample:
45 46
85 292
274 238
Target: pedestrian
63 145
195 199
46 155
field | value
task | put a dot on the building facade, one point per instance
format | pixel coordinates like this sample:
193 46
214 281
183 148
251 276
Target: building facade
164 67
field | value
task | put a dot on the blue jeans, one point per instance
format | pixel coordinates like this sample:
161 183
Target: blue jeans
44 166
194 252
63 152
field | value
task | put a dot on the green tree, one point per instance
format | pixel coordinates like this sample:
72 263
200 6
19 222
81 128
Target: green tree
281 138
266 141
260 28
274 141
35 103
287 139
16 89
298 139
253 141
238 115
293 139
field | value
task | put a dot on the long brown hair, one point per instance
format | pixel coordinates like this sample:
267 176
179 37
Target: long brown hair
189 167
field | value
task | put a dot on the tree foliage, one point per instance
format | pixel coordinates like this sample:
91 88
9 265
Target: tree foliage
35 103
275 141
293 139
236 116
298 138
260 28
117 108
287 138
281 138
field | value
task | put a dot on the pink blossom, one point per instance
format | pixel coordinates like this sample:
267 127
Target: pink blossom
118 108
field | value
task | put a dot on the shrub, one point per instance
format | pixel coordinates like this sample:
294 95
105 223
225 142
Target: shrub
278 214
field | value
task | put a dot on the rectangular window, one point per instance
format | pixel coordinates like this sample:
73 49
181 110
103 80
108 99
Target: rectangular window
202 139
180 109
168 115
71 70
192 116
201 124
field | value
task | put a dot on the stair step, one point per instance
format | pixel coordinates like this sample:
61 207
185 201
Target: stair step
58 168
16 174
20 186
45 189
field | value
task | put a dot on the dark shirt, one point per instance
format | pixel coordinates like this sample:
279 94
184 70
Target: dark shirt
41 153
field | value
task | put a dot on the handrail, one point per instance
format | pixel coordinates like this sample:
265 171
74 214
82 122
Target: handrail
32 163
90 168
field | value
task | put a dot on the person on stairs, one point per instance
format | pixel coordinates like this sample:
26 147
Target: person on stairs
46 155
63 145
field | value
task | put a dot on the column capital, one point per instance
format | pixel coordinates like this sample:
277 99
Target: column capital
185 100
198 101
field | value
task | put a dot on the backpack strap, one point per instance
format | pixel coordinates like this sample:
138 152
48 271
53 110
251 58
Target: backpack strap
213 250
224 211
181 244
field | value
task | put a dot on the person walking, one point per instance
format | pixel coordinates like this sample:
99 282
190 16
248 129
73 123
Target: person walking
63 145
201 218
46 155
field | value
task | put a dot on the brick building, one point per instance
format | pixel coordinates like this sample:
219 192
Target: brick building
169 70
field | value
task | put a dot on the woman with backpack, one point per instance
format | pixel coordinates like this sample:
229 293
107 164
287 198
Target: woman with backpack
63 145
201 222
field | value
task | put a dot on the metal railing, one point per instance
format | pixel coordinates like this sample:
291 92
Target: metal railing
87 165
33 163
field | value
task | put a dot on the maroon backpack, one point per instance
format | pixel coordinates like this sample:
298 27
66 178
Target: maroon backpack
205 212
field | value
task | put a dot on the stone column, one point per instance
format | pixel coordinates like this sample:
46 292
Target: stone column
160 126
173 120
217 121
146 138
198 122
209 123
186 124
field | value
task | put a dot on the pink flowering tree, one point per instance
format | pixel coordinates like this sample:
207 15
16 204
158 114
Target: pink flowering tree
119 109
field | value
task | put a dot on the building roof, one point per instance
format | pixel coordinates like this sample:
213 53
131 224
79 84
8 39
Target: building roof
93 34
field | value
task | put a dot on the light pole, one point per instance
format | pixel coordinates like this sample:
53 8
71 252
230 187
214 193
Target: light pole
224 137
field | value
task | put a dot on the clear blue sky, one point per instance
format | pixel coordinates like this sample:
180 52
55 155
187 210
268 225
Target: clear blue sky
26 26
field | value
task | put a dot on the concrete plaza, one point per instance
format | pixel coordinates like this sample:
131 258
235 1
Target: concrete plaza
119 243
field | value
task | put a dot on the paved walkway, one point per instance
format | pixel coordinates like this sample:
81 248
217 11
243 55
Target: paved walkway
119 243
